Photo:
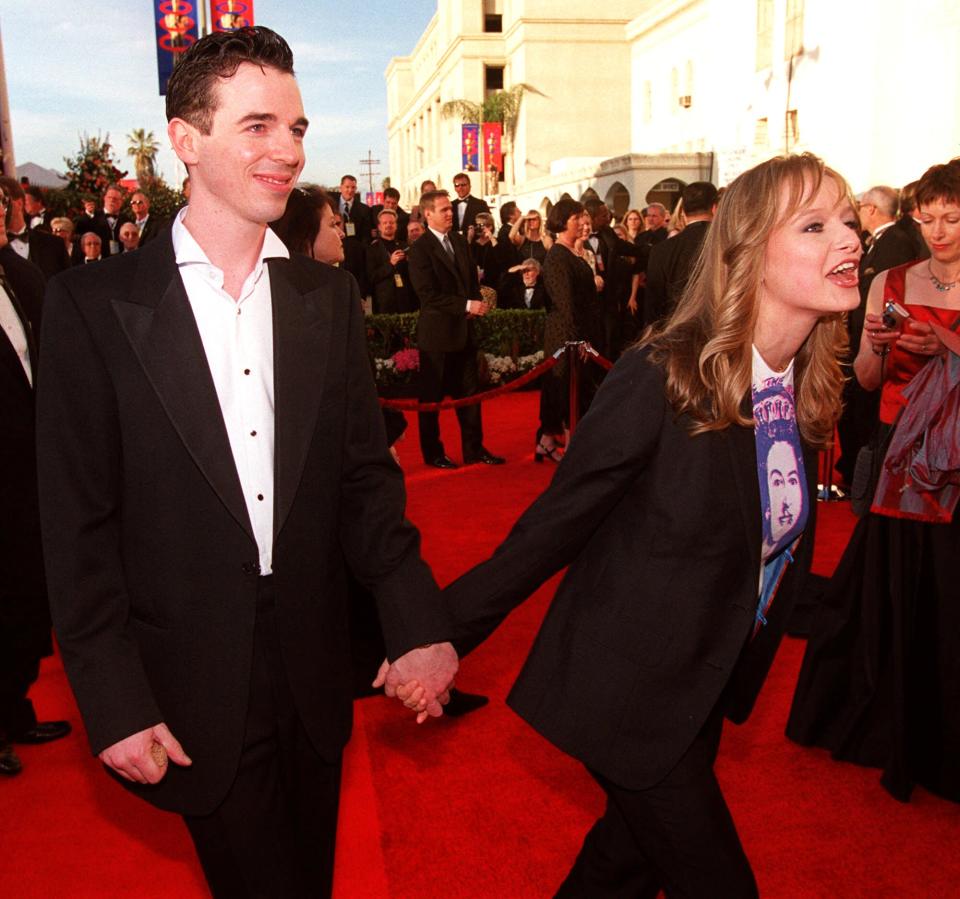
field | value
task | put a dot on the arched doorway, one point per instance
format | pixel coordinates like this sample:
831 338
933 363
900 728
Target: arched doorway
618 200
589 194
666 192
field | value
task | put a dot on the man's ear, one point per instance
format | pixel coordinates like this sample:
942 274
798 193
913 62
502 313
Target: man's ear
185 139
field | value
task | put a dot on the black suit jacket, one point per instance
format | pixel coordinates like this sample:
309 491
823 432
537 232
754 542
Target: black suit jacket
151 560
45 217
443 285
668 270
48 253
100 226
474 207
361 218
24 614
614 269
151 229
512 293
649 628
388 295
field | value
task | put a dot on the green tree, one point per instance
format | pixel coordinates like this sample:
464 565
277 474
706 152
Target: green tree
89 172
143 148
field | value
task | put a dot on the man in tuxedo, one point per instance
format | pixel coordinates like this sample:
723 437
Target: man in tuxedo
387 269
147 225
106 222
24 613
212 458
391 200
358 223
37 215
671 261
522 287
654 225
46 252
129 237
465 207
445 279
91 248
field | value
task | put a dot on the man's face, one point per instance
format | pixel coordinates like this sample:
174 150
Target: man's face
601 217
112 201
90 244
440 218
129 236
530 276
654 217
462 187
140 205
387 226
390 202
348 189
31 205
414 230
245 168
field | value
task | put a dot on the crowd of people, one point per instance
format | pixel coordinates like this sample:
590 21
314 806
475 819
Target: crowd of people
213 490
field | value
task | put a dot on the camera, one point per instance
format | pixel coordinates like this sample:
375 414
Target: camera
894 315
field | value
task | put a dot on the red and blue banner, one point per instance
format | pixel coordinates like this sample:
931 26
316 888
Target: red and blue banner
470 147
229 15
176 32
492 147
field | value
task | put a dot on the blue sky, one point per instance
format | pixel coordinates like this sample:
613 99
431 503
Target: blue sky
77 68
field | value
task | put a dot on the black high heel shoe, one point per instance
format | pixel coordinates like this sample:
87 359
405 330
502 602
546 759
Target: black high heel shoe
553 453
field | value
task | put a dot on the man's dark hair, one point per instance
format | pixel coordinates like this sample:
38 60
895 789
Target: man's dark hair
299 225
115 187
506 211
191 90
392 192
593 205
698 197
908 198
429 199
348 178
34 192
462 176
557 219
11 187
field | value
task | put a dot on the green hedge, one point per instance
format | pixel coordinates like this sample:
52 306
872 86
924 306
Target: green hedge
502 332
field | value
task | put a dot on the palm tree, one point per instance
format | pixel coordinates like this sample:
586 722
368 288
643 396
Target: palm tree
499 106
143 148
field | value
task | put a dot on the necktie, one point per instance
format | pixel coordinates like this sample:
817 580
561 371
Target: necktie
448 246
346 212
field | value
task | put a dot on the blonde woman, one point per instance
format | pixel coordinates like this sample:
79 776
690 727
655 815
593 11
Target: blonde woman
633 222
690 482
529 237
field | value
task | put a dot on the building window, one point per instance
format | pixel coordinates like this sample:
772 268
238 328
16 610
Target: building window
791 127
764 34
761 136
493 78
493 23
793 36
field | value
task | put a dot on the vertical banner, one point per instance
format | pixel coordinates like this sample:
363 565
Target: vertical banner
492 151
373 198
470 147
176 33
229 15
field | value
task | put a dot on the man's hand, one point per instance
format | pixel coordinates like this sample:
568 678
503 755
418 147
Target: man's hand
432 668
142 757
477 307
396 257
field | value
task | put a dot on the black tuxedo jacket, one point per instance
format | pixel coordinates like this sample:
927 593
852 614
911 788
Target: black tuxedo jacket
24 615
443 285
616 273
668 270
650 628
360 216
388 295
151 560
474 206
48 253
45 217
151 229
512 293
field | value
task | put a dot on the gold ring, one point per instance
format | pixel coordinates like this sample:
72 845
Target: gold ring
159 754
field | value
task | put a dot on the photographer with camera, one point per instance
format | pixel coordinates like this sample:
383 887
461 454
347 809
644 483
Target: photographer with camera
880 683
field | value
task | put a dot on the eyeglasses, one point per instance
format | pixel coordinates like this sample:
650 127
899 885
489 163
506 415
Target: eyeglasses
62 231
137 202
461 183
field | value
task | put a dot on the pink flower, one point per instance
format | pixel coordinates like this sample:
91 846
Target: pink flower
407 360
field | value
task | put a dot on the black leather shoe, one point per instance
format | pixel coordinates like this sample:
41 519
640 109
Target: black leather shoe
443 462
43 732
9 761
463 703
486 457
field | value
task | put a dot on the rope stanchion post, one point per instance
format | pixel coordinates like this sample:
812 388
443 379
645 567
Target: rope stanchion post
573 379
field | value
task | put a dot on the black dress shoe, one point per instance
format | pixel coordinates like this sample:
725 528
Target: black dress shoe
443 462
9 761
43 732
486 457
463 703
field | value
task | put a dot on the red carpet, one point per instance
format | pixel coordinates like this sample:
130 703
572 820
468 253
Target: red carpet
483 807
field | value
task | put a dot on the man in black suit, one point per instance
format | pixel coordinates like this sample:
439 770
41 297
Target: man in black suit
465 207
887 247
445 279
391 200
522 287
654 225
387 269
37 215
616 261
106 222
24 613
212 458
358 223
44 250
671 261
148 225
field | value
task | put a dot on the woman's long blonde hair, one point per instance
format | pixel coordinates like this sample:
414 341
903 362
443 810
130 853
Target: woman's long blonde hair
705 347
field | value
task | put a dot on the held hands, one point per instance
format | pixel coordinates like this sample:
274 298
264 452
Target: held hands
918 337
142 757
421 679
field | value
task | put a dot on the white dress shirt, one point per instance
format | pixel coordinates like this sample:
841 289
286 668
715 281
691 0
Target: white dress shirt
13 328
237 339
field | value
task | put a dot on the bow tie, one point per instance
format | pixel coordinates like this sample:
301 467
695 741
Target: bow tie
23 237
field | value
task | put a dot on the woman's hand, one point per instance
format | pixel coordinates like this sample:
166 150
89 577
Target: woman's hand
878 334
920 339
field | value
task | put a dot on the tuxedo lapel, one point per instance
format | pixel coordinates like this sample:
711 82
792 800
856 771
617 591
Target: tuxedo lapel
8 355
301 333
159 323
438 250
